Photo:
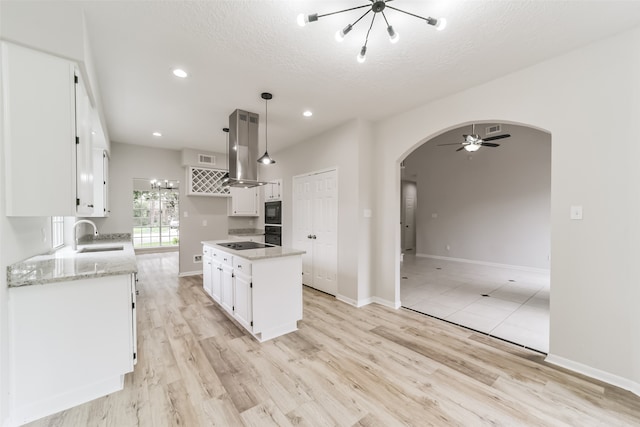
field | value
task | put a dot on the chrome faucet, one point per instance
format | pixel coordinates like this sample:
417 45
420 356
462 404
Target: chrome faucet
74 244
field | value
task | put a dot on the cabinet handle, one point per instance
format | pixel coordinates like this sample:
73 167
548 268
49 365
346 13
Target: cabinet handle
239 266
90 206
219 269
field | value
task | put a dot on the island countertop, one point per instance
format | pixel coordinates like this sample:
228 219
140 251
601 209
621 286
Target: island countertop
66 264
254 254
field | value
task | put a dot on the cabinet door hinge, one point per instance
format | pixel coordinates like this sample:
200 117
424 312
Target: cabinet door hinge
135 356
251 285
133 305
77 140
75 79
233 275
77 202
233 308
252 323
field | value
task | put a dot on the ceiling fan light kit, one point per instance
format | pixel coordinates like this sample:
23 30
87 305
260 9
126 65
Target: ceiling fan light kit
473 142
377 7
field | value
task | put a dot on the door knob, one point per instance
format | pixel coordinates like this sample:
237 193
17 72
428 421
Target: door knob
314 237
309 236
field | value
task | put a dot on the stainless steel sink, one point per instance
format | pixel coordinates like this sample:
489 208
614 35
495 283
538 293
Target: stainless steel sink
100 249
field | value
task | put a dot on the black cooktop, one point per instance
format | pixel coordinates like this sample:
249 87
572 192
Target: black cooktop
240 246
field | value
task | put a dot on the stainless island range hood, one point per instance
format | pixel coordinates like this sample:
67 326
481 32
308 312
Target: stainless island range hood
243 149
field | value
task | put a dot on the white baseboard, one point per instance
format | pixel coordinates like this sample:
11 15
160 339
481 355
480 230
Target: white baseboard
604 376
394 305
489 264
189 273
353 302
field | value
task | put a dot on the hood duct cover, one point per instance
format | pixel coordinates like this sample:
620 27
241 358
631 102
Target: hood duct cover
243 149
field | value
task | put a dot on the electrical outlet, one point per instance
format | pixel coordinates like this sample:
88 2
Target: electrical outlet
197 258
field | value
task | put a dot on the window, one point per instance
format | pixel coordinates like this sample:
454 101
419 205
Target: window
57 231
155 213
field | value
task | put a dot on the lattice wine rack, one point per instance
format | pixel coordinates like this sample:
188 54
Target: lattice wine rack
206 182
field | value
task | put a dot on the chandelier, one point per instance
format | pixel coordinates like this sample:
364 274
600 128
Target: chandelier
377 7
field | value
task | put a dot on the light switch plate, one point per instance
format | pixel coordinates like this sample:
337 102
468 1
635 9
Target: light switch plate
576 212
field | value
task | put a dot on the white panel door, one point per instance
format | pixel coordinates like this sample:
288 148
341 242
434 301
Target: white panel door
325 239
302 226
315 220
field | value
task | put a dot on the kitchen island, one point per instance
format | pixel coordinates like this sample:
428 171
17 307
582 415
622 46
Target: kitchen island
72 326
259 288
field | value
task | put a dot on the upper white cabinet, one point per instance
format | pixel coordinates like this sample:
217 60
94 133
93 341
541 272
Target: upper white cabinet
206 182
244 201
273 190
48 154
100 183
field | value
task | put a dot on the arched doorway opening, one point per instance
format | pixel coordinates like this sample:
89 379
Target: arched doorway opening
482 231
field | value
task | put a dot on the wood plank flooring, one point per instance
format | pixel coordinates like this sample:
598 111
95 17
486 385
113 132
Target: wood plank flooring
372 366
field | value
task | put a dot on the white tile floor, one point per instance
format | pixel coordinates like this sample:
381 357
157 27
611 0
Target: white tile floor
516 307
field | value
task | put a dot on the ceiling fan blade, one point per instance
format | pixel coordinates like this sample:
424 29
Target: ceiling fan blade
450 143
493 138
459 149
490 144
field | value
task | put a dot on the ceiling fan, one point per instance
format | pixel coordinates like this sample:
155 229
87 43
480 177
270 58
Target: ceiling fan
473 142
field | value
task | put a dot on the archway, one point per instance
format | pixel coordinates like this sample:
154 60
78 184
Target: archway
482 232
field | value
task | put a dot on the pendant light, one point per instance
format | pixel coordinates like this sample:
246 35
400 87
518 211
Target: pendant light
265 159
225 178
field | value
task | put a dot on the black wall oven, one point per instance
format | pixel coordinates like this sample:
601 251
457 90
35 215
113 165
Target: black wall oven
273 213
273 235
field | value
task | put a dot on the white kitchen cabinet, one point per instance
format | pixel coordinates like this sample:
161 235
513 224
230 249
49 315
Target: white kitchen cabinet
273 190
70 342
227 294
46 120
206 182
100 183
243 306
207 274
262 295
243 202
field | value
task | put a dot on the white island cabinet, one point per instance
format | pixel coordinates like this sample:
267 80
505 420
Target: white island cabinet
261 289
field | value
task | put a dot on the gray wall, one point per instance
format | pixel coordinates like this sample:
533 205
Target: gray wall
593 121
132 161
340 148
493 205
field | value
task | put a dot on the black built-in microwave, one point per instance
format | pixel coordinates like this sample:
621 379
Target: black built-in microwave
273 213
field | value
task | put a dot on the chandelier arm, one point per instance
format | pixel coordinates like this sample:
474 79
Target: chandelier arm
366 40
408 13
345 10
385 18
358 20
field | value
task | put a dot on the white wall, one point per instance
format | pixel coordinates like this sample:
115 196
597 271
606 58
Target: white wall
340 148
493 205
133 161
589 100
20 238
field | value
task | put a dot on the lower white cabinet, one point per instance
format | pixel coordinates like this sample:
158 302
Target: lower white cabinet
262 295
243 308
71 342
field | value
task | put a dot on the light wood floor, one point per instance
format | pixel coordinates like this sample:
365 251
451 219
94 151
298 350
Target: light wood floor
371 366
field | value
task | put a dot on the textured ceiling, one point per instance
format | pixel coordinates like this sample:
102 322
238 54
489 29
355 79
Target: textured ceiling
234 50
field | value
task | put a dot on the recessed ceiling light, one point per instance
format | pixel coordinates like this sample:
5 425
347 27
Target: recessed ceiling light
180 73
157 134
307 113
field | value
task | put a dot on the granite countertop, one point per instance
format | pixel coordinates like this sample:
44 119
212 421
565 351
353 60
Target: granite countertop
246 232
66 264
255 254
